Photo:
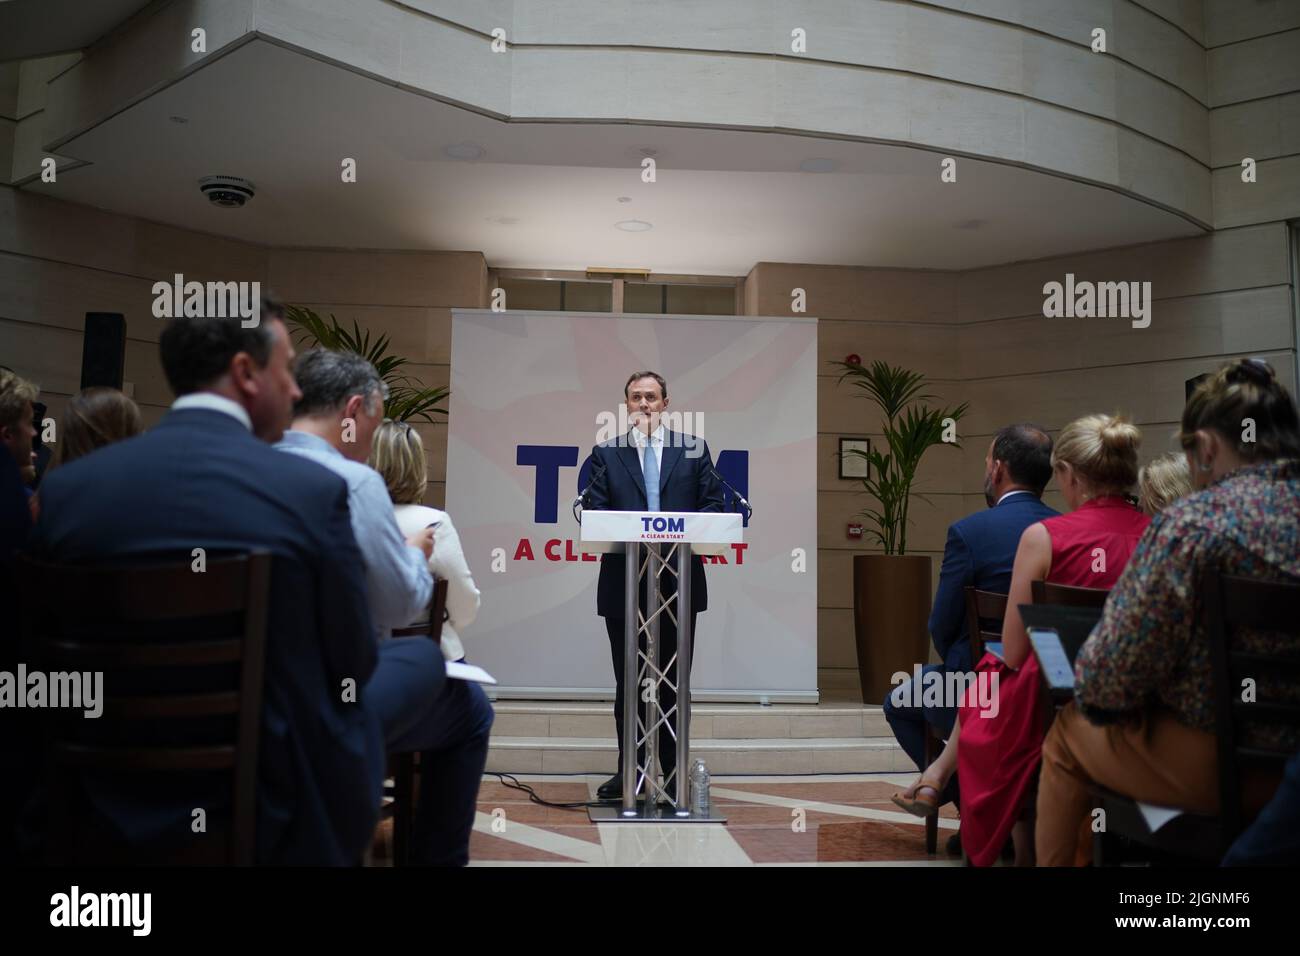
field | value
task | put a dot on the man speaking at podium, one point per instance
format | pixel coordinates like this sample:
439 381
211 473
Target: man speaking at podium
649 469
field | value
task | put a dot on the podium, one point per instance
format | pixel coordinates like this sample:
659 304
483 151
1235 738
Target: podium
656 542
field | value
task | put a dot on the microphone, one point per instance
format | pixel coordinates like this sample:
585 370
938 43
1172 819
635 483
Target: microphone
581 499
749 509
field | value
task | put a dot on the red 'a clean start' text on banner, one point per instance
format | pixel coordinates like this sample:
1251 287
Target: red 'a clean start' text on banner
551 551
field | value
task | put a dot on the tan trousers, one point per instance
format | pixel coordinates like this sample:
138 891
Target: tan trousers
1158 761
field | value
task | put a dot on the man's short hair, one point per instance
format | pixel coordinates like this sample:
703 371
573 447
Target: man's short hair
195 352
328 379
1026 450
647 374
15 393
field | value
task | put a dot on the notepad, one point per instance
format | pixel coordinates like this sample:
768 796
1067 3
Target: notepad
469 672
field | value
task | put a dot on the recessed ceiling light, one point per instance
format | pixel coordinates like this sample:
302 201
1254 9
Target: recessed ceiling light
633 225
624 198
178 119
818 164
463 151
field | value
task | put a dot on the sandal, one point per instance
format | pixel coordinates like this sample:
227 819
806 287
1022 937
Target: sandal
916 802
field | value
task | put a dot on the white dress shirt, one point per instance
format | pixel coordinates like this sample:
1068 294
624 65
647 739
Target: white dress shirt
1018 491
215 403
656 440
447 563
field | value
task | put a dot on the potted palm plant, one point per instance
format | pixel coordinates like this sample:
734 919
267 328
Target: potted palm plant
408 400
891 591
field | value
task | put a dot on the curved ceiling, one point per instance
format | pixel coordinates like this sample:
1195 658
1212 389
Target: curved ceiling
35 28
547 195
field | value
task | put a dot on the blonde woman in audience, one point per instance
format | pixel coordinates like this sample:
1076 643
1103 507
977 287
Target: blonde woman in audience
1142 722
398 456
1163 481
1094 463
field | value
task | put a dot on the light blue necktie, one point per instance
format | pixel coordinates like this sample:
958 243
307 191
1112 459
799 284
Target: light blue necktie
650 468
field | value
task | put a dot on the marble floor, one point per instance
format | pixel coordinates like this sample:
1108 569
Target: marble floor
822 820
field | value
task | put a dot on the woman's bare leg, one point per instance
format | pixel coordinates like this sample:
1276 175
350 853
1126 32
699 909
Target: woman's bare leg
937 775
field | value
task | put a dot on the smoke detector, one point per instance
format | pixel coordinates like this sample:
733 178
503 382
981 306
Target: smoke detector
228 191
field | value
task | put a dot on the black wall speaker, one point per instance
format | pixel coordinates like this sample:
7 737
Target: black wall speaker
103 353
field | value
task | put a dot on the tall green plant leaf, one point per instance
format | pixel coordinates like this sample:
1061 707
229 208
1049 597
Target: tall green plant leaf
408 400
891 388
910 429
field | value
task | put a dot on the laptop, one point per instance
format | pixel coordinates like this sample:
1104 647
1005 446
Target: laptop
1056 632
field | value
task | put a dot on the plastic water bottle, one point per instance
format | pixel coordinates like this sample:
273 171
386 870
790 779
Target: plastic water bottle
699 789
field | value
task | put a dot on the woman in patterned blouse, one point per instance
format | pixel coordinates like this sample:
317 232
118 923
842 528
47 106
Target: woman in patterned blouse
1142 721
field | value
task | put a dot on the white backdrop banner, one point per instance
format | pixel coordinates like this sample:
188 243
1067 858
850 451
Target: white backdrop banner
532 392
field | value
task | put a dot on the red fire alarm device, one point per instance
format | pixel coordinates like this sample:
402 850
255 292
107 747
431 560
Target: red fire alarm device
854 532
854 359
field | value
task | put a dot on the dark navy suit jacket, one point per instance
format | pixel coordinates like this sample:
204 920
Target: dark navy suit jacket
980 552
686 483
200 479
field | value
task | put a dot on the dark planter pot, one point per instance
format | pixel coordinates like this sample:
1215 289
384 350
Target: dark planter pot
891 611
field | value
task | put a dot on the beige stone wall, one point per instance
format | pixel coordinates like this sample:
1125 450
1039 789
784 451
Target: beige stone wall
60 260
905 317
405 295
9 74
980 336
1253 57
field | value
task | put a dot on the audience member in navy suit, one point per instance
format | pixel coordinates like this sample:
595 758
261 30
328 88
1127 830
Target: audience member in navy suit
207 477
979 553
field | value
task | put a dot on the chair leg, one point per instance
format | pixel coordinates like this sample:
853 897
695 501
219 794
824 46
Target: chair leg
932 821
404 809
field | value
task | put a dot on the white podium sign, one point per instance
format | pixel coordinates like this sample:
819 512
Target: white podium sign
706 532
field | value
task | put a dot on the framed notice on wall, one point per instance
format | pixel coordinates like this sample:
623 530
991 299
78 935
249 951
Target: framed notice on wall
853 465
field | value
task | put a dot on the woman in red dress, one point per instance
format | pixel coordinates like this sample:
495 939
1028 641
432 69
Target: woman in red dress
1094 462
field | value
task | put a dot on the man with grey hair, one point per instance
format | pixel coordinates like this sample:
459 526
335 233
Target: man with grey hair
334 424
